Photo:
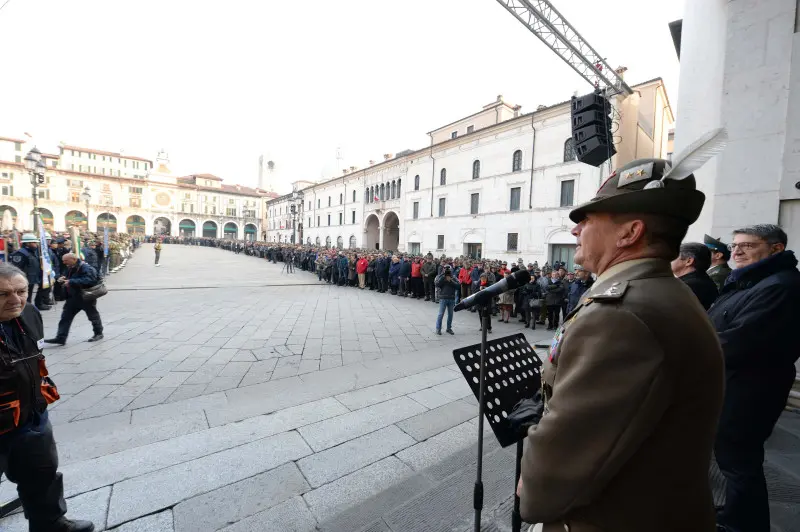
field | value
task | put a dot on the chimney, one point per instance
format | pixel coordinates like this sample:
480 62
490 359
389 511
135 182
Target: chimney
344 171
387 156
540 107
371 162
352 168
499 97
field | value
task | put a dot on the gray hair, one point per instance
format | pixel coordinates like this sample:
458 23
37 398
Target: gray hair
69 256
769 233
7 271
699 252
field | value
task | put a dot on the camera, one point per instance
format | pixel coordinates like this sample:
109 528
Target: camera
448 270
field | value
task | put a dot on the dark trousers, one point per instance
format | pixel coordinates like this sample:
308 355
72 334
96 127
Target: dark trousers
752 407
465 291
158 255
552 315
71 309
427 283
29 459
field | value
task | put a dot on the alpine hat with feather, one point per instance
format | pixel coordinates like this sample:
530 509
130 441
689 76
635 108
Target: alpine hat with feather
654 186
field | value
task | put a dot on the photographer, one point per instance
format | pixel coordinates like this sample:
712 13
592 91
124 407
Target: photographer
447 285
78 275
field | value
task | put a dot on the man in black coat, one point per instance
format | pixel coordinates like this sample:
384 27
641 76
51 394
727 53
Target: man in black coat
28 455
754 316
690 267
79 275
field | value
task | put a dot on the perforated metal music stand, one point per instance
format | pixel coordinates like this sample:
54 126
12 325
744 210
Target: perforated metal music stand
512 372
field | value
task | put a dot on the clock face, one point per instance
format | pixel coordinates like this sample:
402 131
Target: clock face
162 198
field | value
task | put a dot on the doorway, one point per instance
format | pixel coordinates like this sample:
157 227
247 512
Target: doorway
473 251
563 253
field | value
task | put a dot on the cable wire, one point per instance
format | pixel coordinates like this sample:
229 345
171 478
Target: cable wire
4 4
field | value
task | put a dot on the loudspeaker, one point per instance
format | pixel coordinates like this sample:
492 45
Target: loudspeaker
591 128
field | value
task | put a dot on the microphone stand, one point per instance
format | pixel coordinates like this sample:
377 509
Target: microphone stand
477 494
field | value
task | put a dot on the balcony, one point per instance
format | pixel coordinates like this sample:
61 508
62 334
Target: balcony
382 205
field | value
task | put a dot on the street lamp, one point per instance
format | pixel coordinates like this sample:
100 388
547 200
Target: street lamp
86 196
36 168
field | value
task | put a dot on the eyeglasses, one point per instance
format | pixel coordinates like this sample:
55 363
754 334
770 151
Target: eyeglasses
744 246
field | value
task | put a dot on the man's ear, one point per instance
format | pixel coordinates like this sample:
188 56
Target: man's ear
630 233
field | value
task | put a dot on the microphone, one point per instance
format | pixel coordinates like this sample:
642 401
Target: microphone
517 279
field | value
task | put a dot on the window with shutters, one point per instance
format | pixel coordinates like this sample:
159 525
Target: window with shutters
416 182
341 215
329 201
476 169
442 204
354 197
511 241
474 201
516 193
416 210
44 193
567 192
443 177
329 220
352 217
439 242
516 161
341 198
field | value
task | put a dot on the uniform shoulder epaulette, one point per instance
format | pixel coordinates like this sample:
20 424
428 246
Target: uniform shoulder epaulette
614 292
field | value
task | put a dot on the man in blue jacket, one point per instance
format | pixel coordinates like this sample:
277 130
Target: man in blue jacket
79 275
754 315
582 282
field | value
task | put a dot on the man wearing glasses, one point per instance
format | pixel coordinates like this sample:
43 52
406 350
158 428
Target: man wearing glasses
28 455
757 308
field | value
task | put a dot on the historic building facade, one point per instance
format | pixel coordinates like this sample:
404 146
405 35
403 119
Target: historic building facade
127 194
497 184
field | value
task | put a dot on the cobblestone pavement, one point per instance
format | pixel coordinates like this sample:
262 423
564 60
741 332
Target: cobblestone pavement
229 395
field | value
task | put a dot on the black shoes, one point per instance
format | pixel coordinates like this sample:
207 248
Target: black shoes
95 338
56 341
449 331
63 525
439 332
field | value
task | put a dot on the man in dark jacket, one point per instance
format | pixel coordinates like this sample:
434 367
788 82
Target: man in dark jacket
26 258
754 316
28 455
448 286
78 276
690 267
405 274
583 281
428 276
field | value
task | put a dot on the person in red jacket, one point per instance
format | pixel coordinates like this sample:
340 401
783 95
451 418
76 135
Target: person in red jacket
416 279
361 270
465 280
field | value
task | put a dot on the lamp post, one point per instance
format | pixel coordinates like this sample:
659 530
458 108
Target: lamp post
36 169
86 196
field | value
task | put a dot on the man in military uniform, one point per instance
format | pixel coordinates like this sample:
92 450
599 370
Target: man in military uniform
28 455
720 255
26 258
633 380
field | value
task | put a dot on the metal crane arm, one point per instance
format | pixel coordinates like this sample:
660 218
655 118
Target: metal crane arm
547 24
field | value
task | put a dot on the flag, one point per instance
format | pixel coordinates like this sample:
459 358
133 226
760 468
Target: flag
376 198
105 242
75 237
48 276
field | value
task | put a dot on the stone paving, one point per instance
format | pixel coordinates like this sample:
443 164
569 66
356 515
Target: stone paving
230 396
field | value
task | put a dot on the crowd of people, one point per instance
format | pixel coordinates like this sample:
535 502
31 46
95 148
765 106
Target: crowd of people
549 296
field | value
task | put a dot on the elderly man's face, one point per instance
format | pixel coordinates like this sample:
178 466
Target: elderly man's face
13 296
69 261
749 249
597 240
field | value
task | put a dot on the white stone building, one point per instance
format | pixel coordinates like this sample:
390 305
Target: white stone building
496 184
740 68
128 194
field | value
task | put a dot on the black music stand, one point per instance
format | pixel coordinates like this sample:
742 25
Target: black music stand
509 370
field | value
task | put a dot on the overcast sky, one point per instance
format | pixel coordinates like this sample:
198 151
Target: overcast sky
216 83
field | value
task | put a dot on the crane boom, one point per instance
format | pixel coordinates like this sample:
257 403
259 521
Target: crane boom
544 21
